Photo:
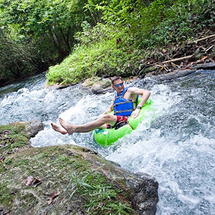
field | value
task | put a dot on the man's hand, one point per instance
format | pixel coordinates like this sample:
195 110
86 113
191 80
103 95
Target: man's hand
135 113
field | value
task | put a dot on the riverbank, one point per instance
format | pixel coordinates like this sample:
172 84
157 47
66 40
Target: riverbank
165 62
66 179
98 85
162 60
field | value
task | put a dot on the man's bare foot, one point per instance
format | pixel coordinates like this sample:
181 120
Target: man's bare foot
58 128
68 127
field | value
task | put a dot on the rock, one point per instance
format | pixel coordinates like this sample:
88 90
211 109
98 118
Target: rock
144 188
73 180
205 66
145 194
31 128
97 85
100 87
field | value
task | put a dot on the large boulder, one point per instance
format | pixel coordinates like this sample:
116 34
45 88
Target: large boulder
67 180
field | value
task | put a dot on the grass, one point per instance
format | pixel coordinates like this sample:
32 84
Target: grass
5 197
86 62
12 136
99 194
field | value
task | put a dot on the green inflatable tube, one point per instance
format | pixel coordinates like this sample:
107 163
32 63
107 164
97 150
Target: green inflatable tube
106 137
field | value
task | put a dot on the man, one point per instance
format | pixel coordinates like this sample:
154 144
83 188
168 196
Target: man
123 104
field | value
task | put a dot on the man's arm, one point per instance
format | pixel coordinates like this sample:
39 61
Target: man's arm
145 95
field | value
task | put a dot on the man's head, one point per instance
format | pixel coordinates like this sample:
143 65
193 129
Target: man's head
117 83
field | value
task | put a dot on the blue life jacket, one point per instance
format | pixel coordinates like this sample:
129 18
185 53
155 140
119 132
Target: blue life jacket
122 106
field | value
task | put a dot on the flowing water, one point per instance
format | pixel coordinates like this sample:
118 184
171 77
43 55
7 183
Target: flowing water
175 143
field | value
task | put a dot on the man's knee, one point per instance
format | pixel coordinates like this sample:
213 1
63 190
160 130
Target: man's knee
108 118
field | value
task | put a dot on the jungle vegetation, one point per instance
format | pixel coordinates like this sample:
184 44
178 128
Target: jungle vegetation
75 39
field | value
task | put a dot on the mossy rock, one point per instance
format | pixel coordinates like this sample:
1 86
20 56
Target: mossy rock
72 180
68 180
16 135
97 84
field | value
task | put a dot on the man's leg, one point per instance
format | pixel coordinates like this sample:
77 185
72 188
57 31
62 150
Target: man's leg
111 119
58 128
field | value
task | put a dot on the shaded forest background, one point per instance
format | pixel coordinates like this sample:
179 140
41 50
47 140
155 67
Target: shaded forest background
75 39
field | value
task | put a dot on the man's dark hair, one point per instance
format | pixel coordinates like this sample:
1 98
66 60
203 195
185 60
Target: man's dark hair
115 78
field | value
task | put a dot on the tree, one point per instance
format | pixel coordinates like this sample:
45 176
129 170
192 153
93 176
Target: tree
39 33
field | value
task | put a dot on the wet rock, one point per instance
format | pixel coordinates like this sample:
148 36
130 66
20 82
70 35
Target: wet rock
145 194
32 127
97 85
100 87
205 66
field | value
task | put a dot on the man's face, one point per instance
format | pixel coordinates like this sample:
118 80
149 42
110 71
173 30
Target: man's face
118 85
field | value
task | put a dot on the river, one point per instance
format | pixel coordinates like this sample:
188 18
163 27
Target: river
175 143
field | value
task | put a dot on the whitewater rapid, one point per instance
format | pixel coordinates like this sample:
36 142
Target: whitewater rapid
175 143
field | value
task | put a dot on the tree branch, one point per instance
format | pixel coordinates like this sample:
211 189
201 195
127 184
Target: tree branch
178 59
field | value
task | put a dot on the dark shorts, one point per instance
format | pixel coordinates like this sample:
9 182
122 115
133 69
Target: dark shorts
121 120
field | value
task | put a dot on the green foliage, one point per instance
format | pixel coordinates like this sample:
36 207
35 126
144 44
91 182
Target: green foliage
100 194
99 59
101 37
183 21
131 30
37 34
153 23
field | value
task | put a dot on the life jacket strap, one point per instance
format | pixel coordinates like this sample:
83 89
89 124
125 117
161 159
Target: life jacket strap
122 111
119 103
